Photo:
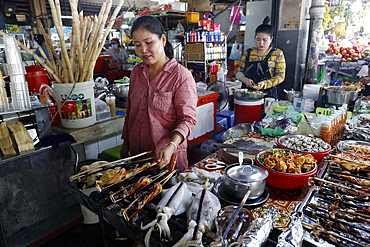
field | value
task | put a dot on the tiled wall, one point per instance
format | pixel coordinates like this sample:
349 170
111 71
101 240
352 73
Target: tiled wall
90 150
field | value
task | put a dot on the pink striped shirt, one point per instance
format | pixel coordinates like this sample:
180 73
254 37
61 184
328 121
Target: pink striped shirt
157 108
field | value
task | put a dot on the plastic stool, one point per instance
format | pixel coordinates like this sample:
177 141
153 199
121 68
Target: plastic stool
223 121
229 115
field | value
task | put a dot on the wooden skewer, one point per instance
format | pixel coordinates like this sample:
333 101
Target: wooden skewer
310 227
348 160
340 185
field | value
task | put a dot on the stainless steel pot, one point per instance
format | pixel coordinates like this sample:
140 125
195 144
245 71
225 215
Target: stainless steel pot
238 179
121 90
339 97
242 95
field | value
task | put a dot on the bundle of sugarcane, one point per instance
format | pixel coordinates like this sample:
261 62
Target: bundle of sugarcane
21 136
6 144
86 43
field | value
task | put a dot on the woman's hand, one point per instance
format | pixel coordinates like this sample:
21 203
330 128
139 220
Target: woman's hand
260 85
165 155
247 81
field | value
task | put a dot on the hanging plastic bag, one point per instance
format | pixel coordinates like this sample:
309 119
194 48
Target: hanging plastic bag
46 94
236 51
235 15
180 29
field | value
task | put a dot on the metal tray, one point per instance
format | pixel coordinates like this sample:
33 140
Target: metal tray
343 145
310 197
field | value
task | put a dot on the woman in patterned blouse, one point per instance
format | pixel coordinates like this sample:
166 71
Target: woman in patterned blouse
162 100
262 67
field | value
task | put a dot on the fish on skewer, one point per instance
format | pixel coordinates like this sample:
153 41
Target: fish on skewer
176 200
211 205
145 197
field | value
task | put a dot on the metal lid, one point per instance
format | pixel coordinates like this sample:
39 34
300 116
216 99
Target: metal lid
247 173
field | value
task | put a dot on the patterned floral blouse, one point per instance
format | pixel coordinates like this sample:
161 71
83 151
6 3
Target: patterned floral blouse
276 65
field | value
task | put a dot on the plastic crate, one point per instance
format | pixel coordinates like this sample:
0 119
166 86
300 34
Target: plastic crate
222 121
328 112
227 114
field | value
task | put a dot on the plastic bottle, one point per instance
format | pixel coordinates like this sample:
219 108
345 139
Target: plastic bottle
326 132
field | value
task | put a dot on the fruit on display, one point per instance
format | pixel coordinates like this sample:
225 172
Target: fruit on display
349 53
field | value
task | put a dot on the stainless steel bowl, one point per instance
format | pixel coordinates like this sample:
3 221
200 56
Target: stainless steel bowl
240 94
339 97
236 131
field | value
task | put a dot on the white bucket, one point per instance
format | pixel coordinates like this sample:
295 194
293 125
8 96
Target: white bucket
89 217
79 110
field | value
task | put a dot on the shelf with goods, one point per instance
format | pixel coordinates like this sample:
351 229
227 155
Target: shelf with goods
208 51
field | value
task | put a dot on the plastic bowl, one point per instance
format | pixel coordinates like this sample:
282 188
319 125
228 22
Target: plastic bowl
317 155
283 180
280 109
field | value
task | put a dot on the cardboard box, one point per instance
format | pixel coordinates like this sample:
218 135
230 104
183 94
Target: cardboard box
199 5
240 37
194 48
194 56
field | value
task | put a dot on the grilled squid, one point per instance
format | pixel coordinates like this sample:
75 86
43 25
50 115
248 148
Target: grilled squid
211 205
176 200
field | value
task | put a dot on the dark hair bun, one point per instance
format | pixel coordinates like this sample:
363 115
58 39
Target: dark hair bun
266 20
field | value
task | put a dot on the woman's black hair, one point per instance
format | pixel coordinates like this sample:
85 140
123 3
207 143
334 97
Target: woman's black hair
152 24
265 27
40 39
117 41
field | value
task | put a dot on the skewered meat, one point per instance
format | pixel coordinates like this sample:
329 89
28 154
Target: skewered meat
359 181
132 172
115 179
211 205
176 200
131 189
154 191
240 224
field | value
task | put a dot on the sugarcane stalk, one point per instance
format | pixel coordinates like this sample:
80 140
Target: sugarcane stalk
77 41
99 28
49 45
45 57
107 30
38 59
91 38
58 27
83 32
81 17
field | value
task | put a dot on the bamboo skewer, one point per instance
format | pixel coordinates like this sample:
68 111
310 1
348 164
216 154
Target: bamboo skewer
348 160
340 185
311 227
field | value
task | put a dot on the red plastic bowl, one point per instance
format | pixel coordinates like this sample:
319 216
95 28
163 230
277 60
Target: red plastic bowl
318 155
283 180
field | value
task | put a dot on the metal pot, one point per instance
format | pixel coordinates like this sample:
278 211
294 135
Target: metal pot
121 90
238 179
339 97
242 95
290 95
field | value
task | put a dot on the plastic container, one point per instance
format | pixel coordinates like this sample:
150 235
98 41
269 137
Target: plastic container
248 111
35 77
89 217
79 110
285 181
192 17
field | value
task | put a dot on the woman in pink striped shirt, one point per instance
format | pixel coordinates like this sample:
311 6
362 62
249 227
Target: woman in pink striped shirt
162 100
